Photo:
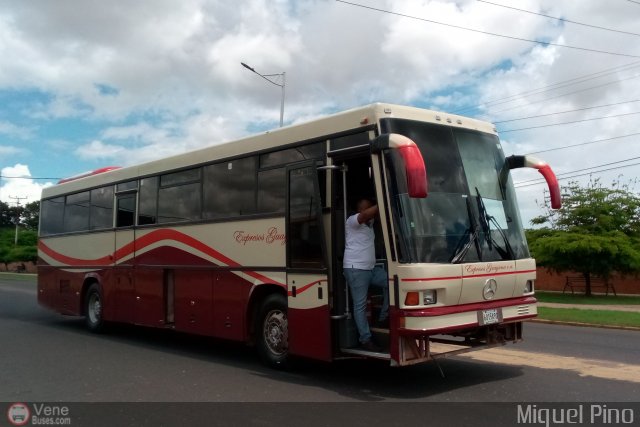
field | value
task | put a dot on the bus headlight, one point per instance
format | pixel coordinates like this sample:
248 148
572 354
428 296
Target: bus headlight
429 296
529 287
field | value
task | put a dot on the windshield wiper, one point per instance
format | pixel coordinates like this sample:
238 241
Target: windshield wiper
473 231
485 221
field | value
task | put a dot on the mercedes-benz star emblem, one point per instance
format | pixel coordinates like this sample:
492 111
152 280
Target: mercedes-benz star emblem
490 289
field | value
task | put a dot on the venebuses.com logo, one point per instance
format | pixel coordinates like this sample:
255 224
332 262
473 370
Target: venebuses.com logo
18 414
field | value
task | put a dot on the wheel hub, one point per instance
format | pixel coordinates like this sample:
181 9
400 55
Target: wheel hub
275 332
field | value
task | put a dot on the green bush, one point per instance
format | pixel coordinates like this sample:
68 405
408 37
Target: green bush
26 250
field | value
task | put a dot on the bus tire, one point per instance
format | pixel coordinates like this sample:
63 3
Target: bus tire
93 309
272 336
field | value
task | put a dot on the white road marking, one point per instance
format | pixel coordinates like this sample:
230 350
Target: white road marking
583 367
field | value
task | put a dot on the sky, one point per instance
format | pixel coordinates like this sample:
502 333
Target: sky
87 84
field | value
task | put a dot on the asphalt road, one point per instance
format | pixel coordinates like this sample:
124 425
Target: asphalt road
47 357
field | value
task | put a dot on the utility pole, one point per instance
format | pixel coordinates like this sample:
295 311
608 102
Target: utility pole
17 199
268 77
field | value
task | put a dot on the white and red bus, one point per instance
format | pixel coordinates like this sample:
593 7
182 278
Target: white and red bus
244 240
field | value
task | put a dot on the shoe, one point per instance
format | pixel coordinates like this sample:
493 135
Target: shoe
383 324
370 346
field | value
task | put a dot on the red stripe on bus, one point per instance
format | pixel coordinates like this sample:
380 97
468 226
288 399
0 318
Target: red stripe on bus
145 241
106 260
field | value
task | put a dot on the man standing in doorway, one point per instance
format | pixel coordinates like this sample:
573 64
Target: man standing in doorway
361 271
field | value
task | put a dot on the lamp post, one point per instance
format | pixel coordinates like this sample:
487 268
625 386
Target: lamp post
266 77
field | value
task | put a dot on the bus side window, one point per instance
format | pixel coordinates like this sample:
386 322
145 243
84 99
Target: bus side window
148 203
126 210
180 196
52 217
76 212
101 208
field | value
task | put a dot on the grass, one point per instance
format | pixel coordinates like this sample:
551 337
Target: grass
17 277
560 298
591 317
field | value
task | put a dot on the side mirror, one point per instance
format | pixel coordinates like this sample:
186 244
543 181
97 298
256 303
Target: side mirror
415 169
515 162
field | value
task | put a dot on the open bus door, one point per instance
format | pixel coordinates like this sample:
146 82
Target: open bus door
309 328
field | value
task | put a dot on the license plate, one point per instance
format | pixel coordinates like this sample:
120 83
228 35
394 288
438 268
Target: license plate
489 317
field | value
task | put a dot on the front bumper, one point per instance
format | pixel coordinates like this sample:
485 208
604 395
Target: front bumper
449 319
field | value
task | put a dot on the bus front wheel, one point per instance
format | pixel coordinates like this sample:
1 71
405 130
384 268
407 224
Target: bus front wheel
93 308
272 331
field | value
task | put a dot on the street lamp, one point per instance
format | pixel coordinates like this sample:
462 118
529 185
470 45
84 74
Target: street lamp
266 77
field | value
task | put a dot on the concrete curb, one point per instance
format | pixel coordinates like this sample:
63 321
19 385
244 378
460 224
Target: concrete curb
584 325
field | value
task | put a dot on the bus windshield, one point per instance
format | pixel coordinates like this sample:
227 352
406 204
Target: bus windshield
470 214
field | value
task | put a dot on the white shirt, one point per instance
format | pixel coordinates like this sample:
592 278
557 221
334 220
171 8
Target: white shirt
359 247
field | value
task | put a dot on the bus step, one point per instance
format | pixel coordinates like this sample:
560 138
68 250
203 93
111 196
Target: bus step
374 355
381 337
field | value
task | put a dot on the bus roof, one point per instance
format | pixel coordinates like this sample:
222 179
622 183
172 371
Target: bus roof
329 125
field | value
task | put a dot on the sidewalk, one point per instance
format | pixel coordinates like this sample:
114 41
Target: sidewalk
629 308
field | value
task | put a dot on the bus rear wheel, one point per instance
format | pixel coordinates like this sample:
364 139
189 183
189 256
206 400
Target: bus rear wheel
93 309
272 332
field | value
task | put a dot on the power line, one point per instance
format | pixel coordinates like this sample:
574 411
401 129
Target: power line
567 123
565 94
559 19
487 32
568 111
25 177
553 86
633 1
579 175
584 143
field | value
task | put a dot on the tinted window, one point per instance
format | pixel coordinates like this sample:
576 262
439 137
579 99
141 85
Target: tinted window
229 188
438 148
292 155
126 186
181 177
271 191
179 203
180 196
101 208
148 201
349 141
305 236
51 221
126 210
76 212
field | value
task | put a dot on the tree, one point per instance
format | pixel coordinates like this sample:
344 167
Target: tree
596 232
30 216
6 215
5 256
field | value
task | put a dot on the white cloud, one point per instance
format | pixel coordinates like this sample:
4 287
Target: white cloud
98 150
10 129
21 185
6 150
